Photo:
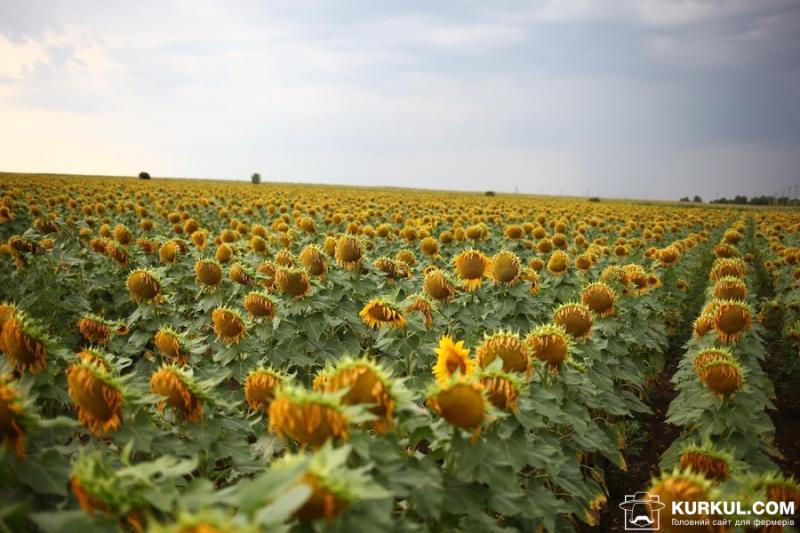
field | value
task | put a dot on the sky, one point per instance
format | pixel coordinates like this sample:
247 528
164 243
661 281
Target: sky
613 98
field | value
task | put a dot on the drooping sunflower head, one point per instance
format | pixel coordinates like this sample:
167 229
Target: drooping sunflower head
314 260
707 461
503 389
24 342
239 274
461 401
168 252
228 325
575 318
260 304
725 250
732 318
505 268
509 348
451 358
309 417
293 282
208 273
181 393
94 357
723 376
558 263
725 267
638 281
680 486
710 354
98 330
703 324
98 398
599 297
438 286
349 251
380 312
730 288
549 343
12 418
144 286
171 345
780 488
429 246
261 386
471 266
669 255
366 383
419 303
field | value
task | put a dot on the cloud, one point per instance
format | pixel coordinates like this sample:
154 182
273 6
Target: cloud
553 96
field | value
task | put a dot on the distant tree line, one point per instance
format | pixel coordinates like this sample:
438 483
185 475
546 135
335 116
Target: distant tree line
744 200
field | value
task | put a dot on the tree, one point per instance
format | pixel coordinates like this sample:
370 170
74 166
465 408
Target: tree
255 178
684 199
144 175
697 199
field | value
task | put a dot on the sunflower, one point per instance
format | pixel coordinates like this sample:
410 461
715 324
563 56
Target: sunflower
710 354
208 273
238 274
533 277
723 376
260 304
438 286
706 461
429 246
366 383
261 386
143 286
97 330
452 357
681 486
23 343
558 263
94 358
313 259
421 304
703 324
575 318
461 402
12 432
730 288
505 268
549 343
471 266
170 343
508 347
599 297
228 325
168 253
669 255
293 282
780 488
349 251
380 312
502 388
727 267
179 390
97 397
732 319
308 417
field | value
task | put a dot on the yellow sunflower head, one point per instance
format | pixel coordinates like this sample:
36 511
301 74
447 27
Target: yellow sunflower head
144 286
349 251
509 348
451 358
97 397
293 282
680 486
725 267
12 423
730 288
549 343
261 386
558 263
23 342
471 266
503 389
438 286
309 417
381 312
171 345
460 401
732 318
723 376
228 325
314 260
260 304
180 392
208 273
505 268
706 461
575 318
421 304
599 297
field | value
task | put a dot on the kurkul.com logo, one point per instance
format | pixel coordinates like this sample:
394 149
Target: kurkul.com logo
642 511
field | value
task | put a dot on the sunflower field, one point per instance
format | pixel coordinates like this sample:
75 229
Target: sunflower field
202 356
